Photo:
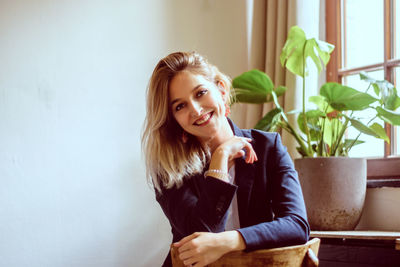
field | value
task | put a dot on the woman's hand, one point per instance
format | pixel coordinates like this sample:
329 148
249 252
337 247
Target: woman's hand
234 147
200 249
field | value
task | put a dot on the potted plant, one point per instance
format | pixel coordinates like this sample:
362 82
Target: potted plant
333 193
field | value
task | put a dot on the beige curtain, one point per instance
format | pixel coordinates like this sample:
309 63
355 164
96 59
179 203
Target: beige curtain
269 22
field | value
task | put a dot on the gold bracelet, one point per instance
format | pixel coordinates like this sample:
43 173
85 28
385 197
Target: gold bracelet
218 174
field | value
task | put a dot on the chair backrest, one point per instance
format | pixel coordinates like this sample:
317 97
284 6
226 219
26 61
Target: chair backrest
292 256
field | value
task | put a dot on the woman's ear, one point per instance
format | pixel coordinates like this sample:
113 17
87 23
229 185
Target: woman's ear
222 87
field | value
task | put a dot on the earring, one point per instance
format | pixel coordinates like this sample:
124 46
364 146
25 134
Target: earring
184 137
227 110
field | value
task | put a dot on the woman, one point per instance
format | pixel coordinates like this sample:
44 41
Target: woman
221 188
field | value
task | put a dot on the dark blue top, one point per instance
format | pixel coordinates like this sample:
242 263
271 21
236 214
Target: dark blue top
270 201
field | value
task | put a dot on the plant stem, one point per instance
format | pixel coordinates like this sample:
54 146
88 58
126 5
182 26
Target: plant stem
309 150
340 136
289 127
321 144
352 143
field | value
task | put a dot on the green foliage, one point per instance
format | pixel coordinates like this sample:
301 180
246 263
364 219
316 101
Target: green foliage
322 130
255 87
297 49
342 98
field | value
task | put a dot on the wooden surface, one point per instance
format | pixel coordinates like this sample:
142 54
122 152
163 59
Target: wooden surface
352 255
302 255
361 235
383 168
381 235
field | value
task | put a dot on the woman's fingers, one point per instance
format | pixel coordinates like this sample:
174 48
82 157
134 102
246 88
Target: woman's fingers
203 249
191 261
237 147
186 256
251 156
184 240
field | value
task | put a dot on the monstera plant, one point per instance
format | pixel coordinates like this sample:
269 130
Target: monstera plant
334 185
321 129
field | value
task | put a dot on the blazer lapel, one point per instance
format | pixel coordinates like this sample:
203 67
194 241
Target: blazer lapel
244 179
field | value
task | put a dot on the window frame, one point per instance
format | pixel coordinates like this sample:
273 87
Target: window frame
388 167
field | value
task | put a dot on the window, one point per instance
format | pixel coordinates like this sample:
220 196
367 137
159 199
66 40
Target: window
367 39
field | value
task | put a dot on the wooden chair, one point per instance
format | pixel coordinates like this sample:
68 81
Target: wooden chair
292 256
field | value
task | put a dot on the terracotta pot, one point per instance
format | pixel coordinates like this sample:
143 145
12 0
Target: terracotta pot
334 191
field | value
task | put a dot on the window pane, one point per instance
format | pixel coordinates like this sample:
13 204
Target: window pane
372 147
364 33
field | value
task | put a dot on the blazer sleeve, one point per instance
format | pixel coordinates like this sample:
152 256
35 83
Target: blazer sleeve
289 226
192 210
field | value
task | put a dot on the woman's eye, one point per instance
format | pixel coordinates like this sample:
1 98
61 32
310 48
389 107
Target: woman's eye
179 107
201 92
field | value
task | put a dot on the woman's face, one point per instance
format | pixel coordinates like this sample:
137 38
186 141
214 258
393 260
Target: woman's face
197 105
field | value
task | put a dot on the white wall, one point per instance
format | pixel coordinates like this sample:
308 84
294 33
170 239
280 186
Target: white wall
72 89
381 210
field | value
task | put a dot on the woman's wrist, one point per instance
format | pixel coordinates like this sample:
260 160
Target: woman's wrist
216 173
219 160
233 240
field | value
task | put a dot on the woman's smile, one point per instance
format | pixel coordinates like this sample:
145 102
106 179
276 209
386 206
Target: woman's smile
204 120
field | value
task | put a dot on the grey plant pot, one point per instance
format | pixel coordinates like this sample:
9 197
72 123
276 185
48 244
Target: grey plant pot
334 191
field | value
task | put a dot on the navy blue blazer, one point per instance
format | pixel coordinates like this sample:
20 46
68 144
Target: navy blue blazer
270 201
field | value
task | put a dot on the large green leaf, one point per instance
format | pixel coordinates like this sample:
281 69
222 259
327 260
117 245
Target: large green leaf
341 97
389 116
292 52
297 49
380 131
363 128
253 86
270 120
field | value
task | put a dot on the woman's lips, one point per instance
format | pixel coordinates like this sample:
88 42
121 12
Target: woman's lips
204 119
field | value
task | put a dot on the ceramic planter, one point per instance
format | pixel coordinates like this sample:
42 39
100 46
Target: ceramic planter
334 191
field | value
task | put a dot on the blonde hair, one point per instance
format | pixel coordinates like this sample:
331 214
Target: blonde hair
168 158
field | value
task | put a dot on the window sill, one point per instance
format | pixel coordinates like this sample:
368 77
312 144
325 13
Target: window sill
383 168
358 248
378 183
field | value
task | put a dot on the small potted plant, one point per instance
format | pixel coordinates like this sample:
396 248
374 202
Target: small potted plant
334 185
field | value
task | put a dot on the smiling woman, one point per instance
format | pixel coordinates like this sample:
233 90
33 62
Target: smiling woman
222 188
198 106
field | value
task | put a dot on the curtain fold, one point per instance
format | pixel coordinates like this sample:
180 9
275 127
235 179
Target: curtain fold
268 25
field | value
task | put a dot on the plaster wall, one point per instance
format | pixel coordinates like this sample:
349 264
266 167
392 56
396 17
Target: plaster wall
72 102
381 210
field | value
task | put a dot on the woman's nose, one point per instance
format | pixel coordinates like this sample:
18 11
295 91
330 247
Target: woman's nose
196 108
